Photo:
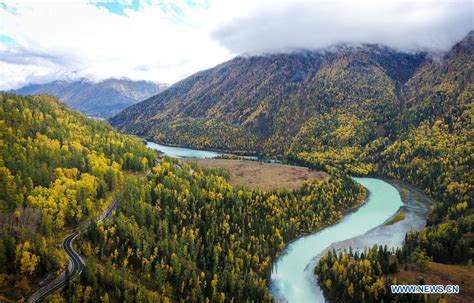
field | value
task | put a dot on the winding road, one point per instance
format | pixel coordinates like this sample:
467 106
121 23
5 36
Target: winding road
76 264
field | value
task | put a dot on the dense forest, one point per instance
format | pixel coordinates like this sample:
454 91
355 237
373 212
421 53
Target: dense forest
364 110
57 168
184 234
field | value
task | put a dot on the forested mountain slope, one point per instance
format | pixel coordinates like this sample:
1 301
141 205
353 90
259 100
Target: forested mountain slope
57 169
367 111
180 233
102 99
258 104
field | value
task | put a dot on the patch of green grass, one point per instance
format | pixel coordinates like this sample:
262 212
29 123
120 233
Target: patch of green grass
398 217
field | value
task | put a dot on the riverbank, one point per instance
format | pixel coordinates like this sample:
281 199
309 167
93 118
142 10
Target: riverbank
182 152
147 140
415 208
292 278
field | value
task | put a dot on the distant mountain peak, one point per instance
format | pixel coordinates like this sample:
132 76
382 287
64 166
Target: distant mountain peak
102 98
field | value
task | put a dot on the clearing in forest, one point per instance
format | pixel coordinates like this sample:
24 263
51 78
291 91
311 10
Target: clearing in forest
265 176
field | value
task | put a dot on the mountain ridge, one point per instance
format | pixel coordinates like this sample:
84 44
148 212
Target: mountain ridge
251 96
99 99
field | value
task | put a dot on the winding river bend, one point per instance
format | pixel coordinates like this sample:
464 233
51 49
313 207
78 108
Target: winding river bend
292 278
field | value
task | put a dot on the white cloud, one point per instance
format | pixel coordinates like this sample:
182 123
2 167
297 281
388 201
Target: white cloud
78 39
87 41
401 24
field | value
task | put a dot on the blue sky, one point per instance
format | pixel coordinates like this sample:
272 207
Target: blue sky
118 7
6 40
173 10
166 40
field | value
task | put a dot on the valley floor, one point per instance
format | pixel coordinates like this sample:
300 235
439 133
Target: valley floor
266 176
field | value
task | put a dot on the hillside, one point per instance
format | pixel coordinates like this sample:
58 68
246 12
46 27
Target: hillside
99 99
267 99
57 169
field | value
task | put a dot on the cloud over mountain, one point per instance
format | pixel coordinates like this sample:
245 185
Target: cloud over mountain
166 41
405 25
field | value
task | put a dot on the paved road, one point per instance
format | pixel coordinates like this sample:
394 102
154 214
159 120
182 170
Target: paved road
76 264
75 267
